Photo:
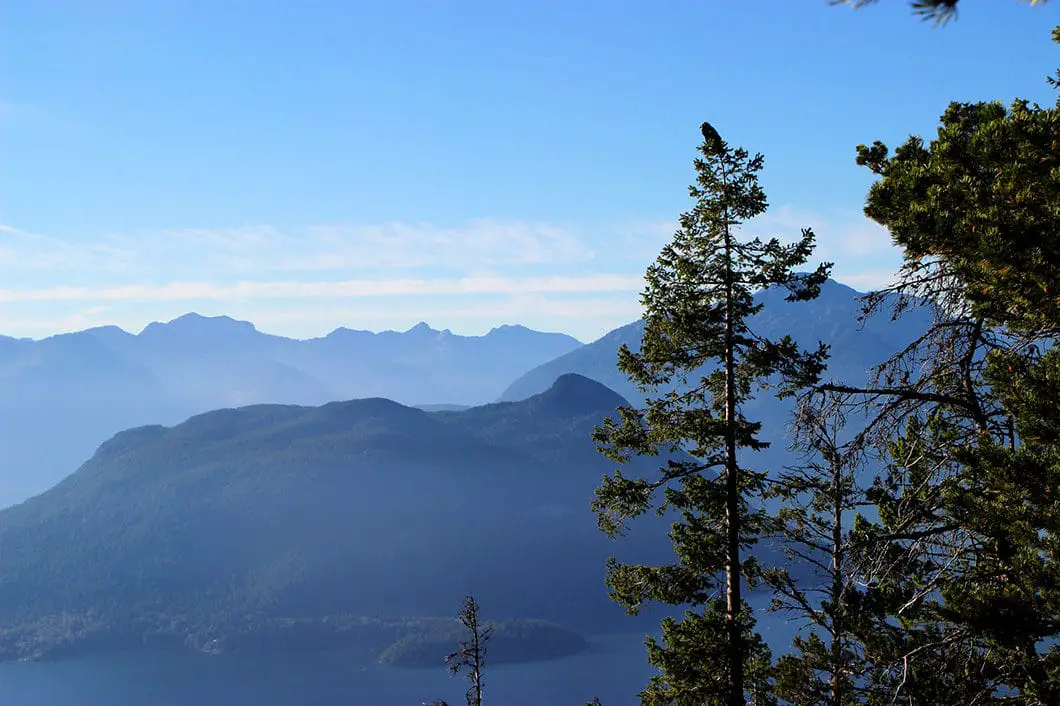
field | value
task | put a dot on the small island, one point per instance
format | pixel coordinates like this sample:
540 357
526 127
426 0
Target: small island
512 641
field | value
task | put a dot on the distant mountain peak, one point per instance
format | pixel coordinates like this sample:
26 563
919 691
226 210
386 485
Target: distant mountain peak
507 334
422 327
572 393
109 330
831 288
194 318
423 330
196 323
345 331
575 384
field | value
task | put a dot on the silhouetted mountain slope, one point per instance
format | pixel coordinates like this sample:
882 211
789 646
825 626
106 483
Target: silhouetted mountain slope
831 318
529 425
597 360
58 398
420 365
94 383
425 366
364 507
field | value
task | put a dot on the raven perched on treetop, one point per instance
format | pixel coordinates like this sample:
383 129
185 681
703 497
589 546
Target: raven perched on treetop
713 139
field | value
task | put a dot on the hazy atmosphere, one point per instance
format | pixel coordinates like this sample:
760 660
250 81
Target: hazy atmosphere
673 353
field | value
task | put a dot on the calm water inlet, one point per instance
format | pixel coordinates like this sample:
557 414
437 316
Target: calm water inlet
614 669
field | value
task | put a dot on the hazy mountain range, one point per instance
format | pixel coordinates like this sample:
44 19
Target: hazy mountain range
831 318
237 517
362 508
61 396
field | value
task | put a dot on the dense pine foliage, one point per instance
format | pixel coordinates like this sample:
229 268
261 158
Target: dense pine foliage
924 500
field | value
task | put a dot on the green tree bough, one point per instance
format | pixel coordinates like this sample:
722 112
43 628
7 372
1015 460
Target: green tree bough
938 11
961 566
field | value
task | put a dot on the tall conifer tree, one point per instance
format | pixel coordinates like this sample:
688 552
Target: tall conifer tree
699 361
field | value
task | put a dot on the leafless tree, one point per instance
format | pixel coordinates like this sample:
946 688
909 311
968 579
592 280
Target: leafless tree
472 652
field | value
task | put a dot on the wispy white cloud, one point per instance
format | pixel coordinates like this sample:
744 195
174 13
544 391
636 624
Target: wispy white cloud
23 250
336 274
640 241
840 234
862 250
478 244
185 291
867 280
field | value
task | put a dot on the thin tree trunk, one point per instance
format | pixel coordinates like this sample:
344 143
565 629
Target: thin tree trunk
837 580
476 678
732 496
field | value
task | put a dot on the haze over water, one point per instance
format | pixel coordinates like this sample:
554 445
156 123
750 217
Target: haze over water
613 669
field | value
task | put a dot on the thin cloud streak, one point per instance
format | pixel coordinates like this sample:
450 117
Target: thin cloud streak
178 291
478 244
840 234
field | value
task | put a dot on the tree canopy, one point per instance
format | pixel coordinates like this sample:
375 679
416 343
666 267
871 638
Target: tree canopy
937 578
960 565
938 11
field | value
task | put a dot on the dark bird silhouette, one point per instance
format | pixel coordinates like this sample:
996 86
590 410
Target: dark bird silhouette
711 138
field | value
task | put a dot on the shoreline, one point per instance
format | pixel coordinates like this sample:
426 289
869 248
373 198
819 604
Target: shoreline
404 643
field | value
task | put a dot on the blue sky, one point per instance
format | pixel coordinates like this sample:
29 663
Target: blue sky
306 165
